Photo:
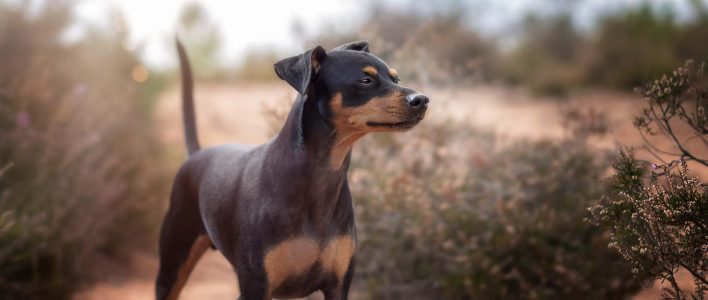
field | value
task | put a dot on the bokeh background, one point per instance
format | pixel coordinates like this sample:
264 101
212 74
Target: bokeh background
486 199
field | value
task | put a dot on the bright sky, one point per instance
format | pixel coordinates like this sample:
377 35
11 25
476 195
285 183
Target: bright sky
242 25
268 23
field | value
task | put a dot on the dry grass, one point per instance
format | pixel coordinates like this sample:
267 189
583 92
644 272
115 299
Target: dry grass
77 153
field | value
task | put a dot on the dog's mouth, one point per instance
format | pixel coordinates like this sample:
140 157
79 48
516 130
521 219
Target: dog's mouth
396 125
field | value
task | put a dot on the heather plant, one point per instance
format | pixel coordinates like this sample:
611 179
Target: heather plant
679 98
80 171
657 214
448 212
658 226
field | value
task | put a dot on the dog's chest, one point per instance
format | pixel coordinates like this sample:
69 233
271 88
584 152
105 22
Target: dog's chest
298 256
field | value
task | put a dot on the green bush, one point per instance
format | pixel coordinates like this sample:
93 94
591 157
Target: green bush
446 212
658 226
658 218
634 47
78 171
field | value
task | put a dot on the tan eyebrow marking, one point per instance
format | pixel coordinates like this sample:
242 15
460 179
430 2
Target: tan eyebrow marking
393 73
371 71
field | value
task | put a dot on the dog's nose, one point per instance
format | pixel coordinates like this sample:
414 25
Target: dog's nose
417 100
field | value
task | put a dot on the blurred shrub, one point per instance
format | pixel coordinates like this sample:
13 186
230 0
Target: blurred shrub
443 51
624 50
258 66
634 47
628 48
466 216
547 57
690 45
78 171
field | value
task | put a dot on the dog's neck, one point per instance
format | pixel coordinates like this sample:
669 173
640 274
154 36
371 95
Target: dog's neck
302 156
306 135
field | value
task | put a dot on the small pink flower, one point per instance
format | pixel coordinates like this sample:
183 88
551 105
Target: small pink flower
80 89
22 119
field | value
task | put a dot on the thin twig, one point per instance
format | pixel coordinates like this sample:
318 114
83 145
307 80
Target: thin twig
647 143
696 275
675 285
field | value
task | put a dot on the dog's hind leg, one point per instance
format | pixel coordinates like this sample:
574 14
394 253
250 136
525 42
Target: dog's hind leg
183 240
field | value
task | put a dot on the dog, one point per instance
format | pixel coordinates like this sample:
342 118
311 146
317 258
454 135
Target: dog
281 213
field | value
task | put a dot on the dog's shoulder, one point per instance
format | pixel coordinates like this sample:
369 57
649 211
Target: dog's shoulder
217 169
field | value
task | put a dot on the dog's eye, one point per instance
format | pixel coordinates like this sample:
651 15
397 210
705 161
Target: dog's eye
366 81
396 80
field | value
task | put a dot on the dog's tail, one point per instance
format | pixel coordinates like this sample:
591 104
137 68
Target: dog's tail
189 118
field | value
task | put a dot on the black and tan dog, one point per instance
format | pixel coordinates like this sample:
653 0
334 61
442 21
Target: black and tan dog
282 213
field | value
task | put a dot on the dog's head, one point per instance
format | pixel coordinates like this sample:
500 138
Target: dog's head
356 91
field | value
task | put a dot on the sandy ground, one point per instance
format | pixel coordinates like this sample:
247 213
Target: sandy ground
235 114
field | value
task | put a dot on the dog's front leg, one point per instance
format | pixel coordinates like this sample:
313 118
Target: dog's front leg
341 290
253 287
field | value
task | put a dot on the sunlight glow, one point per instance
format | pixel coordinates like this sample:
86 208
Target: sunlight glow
140 74
257 24
271 23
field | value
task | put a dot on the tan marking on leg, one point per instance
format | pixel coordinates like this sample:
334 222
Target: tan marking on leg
351 122
291 257
337 255
371 71
200 245
393 73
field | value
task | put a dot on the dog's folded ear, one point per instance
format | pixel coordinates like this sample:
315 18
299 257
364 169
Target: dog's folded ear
299 70
356 46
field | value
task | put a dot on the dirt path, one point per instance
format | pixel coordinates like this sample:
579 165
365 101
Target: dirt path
212 279
235 114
